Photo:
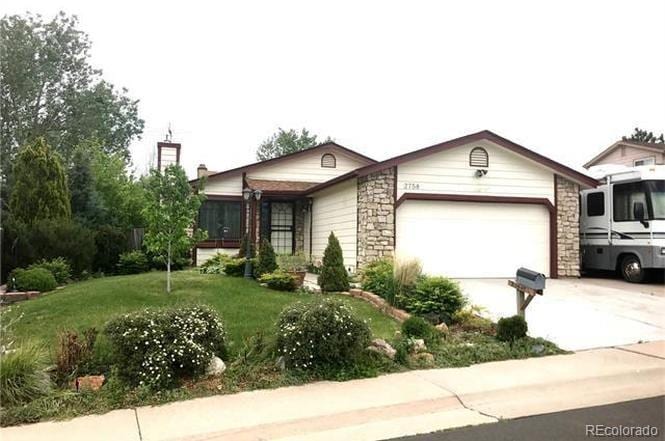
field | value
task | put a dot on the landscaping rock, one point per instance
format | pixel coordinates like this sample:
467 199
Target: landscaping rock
442 328
215 367
382 347
419 345
89 383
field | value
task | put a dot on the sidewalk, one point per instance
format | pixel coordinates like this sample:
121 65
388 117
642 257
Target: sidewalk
384 407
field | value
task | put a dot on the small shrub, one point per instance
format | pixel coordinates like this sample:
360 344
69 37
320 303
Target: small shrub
377 277
267 262
157 347
417 327
59 267
72 352
435 298
235 267
321 335
215 264
279 280
23 375
35 279
133 262
242 252
333 275
510 329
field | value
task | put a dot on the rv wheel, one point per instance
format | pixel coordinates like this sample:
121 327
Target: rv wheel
631 269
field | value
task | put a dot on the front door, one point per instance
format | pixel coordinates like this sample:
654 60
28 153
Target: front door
278 225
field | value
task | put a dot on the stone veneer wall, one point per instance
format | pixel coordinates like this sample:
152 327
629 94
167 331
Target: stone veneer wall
299 225
568 227
376 216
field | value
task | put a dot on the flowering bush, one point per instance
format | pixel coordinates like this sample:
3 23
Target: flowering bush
156 347
321 335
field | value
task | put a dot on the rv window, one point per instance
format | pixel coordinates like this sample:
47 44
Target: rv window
595 204
625 196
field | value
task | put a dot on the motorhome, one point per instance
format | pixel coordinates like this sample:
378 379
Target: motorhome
622 221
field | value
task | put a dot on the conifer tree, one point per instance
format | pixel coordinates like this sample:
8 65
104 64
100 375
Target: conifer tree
333 275
267 261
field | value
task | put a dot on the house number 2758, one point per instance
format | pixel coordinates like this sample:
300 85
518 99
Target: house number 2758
411 186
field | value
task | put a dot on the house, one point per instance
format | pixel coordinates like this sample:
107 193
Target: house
630 154
475 206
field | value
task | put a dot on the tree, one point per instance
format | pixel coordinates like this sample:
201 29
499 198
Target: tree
285 142
87 207
171 207
333 275
640 135
40 187
49 89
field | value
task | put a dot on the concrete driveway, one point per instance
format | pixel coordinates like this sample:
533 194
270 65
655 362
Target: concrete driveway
579 314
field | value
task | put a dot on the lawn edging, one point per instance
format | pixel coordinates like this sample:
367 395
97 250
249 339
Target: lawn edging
379 303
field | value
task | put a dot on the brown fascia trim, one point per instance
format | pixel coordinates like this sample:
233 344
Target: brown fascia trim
554 270
483 135
291 155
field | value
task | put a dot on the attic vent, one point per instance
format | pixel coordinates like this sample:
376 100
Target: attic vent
328 161
478 157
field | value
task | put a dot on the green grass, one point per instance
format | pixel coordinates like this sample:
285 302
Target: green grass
246 307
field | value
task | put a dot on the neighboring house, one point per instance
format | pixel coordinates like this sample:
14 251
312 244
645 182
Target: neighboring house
630 154
475 206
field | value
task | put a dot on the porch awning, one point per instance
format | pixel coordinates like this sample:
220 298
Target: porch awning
279 187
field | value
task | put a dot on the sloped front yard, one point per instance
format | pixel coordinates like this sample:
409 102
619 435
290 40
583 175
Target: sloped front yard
249 311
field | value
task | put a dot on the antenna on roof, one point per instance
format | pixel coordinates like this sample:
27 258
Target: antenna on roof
169 134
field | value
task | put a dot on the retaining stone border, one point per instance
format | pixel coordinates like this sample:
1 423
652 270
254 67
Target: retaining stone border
18 296
379 303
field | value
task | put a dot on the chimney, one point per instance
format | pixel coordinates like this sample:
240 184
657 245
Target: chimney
168 153
201 171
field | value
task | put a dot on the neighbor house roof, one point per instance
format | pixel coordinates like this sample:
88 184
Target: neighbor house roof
648 146
330 144
557 167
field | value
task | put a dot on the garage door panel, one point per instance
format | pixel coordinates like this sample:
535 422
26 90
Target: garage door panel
467 239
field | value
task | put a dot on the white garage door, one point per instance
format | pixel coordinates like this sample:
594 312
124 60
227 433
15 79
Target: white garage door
470 239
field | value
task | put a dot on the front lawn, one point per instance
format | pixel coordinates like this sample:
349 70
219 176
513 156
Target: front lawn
247 310
245 306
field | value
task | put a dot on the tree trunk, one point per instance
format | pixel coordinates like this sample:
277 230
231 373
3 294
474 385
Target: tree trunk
168 270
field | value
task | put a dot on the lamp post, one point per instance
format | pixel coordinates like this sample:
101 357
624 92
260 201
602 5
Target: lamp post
247 194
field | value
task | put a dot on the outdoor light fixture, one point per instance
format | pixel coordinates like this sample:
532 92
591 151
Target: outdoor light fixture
247 194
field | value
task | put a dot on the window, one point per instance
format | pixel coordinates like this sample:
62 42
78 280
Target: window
479 158
595 204
221 219
328 160
644 161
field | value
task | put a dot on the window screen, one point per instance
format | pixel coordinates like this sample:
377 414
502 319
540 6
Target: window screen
625 196
595 204
221 219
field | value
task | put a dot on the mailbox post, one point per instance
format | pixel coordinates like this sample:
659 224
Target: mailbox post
526 282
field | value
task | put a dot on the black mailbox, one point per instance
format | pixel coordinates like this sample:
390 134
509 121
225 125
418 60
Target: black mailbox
530 279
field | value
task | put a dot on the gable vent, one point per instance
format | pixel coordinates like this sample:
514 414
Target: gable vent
478 157
328 160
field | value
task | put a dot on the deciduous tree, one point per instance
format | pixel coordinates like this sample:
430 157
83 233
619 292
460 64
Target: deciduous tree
284 142
170 211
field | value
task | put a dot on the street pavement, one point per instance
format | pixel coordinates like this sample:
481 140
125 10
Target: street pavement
570 425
